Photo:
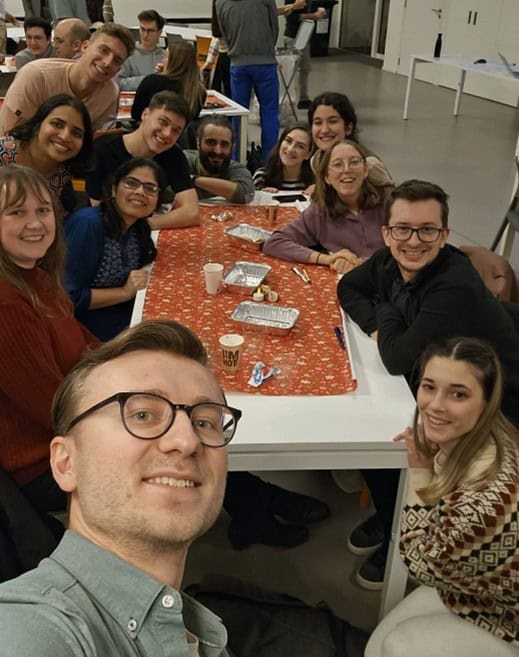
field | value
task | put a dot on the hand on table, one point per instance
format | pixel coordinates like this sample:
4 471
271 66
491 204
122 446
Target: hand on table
344 261
137 280
415 458
270 190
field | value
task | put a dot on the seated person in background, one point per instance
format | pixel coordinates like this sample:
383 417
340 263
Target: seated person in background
38 33
70 37
180 74
332 118
57 141
416 291
288 165
461 510
142 487
147 51
68 9
212 170
40 340
88 78
156 137
345 218
109 246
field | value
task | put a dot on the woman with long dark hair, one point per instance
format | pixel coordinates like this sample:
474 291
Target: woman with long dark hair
288 165
109 246
56 141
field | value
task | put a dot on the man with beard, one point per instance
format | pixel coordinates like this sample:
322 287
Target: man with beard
212 170
144 464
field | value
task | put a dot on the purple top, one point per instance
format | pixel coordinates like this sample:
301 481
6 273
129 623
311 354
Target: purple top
360 233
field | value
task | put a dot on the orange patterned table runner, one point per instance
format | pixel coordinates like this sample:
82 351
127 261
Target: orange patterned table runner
310 358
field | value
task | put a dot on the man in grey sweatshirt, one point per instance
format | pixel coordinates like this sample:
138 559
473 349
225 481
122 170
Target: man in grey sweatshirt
250 27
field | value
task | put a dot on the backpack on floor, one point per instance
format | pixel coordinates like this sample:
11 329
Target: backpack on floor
265 624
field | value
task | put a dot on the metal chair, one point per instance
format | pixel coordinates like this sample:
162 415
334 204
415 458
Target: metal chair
504 240
294 54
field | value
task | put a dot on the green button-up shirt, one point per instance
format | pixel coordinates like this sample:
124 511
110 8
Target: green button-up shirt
84 601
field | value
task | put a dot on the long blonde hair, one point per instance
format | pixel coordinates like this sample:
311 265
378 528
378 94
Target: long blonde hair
491 427
181 65
15 183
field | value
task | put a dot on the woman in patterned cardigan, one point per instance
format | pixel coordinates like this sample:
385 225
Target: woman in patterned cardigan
460 521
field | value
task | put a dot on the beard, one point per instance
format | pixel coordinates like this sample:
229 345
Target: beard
214 164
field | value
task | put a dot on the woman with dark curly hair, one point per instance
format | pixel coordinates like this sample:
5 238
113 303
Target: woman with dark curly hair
343 224
56 141
109 246
288 165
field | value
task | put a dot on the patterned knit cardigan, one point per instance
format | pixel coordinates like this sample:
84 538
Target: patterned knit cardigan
467 545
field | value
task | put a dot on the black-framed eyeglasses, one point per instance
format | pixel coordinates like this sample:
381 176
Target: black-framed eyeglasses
424 233
148 416
150 189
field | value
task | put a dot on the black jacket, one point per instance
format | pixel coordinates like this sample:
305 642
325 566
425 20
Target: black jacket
446 299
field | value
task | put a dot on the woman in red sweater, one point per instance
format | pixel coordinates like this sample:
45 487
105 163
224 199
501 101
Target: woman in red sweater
40 340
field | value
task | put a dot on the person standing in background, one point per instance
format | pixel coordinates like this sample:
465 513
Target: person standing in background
68 9
294 12
5 16
250 27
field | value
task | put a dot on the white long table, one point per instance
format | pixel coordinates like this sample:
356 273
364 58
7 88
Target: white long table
463 63
348 431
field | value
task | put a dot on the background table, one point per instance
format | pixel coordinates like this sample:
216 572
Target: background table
347 431
462 62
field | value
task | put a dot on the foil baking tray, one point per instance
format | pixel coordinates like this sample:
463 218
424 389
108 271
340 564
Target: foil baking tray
245 233
245 277
278 320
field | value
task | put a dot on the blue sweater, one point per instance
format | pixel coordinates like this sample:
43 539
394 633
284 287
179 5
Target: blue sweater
95 260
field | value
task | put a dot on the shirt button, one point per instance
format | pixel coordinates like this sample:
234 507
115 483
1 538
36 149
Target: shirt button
168 601
132 625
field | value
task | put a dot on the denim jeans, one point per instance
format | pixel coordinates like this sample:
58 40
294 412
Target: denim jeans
263 78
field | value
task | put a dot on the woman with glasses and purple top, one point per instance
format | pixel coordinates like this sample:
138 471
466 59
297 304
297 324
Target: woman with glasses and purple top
109 246
343 224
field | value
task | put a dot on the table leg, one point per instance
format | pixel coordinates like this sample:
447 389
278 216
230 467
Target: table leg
244 127
412 67
395 580
461 84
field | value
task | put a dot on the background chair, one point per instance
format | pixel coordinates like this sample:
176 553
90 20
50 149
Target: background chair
504 240
292 56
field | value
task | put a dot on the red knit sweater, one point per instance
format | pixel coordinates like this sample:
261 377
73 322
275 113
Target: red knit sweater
38 346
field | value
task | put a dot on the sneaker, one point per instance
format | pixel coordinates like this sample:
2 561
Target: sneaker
371 574
304 103
366 537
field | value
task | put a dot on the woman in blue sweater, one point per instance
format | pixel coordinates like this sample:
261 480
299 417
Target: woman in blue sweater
109 246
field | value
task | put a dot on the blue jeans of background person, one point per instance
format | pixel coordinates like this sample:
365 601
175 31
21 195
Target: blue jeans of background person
263 78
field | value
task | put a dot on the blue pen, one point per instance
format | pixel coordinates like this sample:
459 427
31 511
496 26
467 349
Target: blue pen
340 338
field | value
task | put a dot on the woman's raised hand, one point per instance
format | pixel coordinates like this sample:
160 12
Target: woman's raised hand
415 458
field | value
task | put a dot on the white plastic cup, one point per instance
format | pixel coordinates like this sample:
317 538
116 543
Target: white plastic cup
230 349
213 272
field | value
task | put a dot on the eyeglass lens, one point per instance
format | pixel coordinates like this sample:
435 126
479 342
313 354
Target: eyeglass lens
149 416
134 183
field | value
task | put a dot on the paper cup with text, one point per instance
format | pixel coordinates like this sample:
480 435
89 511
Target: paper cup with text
230 348
213 272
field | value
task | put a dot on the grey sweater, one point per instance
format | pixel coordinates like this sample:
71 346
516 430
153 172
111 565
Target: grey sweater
250 27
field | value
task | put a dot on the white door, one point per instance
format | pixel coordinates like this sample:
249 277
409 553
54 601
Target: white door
422 21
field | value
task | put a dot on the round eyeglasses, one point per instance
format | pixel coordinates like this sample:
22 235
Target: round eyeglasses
150 189
149 416
425 233
352 164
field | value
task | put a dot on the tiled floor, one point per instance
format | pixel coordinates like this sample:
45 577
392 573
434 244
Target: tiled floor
471 157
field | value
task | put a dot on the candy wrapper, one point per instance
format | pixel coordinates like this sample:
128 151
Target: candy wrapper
222 216
258 377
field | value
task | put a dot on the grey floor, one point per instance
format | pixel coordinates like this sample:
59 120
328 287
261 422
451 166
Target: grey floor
471 157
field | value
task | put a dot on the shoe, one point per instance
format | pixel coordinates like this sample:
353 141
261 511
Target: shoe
295 508
366 537
371 574
243 534
304 103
